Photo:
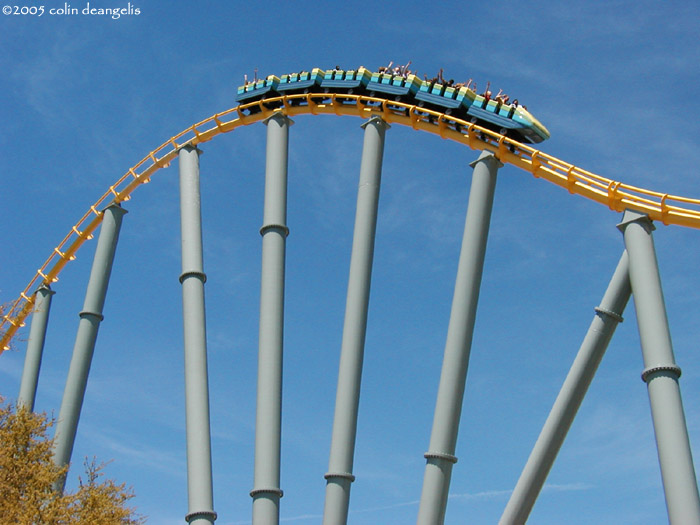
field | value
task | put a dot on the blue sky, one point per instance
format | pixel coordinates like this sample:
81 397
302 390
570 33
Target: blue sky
86 97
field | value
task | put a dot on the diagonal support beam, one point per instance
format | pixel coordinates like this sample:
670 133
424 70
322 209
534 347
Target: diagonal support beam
35 347
339 476
608 315
443 440
661 373
84 348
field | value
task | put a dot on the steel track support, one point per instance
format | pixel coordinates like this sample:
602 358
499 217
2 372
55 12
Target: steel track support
661 372
607 316
35 347
339 476
440 457
199 470
84 348
266 491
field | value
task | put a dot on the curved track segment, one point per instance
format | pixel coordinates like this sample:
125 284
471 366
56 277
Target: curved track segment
668 209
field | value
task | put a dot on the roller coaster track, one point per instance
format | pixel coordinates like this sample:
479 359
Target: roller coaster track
668 209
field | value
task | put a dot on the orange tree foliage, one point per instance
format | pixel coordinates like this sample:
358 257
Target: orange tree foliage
27 475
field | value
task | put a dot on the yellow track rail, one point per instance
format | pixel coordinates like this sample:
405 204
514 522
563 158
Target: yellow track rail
668 209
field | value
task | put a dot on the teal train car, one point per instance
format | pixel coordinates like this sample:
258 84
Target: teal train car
258 89
303 82
397 85
441 95
510 117
347 81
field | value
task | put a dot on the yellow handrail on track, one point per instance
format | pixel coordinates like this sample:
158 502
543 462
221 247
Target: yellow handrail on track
668 209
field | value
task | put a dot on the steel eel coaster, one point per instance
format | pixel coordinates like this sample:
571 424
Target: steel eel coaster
636 276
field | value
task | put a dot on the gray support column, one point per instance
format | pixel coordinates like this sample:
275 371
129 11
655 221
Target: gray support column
266 491
661 372
443 440
545 451
90 318
35 347
199 477
339 476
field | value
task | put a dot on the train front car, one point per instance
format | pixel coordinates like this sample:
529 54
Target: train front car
511 120
532 128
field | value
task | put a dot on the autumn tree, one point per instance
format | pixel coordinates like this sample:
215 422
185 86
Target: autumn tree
28 473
